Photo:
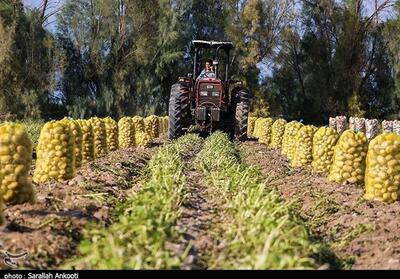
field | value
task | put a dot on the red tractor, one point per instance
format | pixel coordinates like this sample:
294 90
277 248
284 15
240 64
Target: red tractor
209 101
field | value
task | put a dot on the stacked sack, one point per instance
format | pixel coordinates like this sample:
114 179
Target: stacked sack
341 124
387 126
324 142
166 123
15 163
142 136
332 123
357 124
289 142
250 126
303 149
349 158
382 175
77 132
100 137
396 127
55 153
257 127
112 133
264 134
278 129
371 128
138 124
87 141
151 126
126 135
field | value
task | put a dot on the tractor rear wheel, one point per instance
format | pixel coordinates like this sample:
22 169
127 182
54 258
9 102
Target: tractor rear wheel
242 114
178 110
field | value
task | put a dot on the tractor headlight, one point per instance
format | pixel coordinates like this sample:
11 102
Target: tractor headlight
203 93
215 94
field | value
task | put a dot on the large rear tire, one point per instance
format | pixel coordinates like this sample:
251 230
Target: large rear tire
178 110
242 115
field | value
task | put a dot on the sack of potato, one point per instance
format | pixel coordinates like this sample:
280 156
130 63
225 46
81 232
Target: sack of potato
250 126
55 153
289 139
100 137
382 174
77 132
303 149
142 139
324 142
257 127
112 133
138 124
87 141
264 134
278 129
15 163
151 126
348 165
126 134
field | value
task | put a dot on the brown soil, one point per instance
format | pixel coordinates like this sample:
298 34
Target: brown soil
51 229
365 235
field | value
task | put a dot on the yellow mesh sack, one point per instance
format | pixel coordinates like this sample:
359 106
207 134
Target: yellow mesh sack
126 136
264 134
151 126
257 127
303 149
278 129
55 153
112 133
87 141
382 175
289 139
77 132
138 124
250 126
100 137
324 142
15 163
348 165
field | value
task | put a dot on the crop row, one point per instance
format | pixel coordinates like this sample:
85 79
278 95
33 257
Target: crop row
346 157
64 146
146 225
261 230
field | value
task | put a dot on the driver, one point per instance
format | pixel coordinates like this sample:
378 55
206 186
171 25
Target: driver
208 71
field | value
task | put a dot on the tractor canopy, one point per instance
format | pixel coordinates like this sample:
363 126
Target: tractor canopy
212 44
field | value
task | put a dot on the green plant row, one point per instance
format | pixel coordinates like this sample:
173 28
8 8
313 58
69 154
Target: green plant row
262 231
141 235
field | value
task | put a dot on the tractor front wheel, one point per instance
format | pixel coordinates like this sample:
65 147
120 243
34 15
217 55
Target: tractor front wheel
178 110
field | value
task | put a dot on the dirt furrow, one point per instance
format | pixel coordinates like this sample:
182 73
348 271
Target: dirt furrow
363 234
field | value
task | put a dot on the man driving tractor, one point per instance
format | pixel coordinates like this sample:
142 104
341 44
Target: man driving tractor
208 71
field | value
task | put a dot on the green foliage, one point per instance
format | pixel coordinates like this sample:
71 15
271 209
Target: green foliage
264 232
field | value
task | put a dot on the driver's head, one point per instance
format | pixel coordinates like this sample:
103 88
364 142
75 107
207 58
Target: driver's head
209 64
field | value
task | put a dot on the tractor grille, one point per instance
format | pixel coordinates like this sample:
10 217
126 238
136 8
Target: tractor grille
209 95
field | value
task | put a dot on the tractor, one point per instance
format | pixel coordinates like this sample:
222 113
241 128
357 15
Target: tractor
209 102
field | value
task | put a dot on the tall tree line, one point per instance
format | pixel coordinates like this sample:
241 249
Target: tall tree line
306 59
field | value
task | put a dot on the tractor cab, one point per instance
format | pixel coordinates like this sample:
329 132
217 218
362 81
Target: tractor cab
209 101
